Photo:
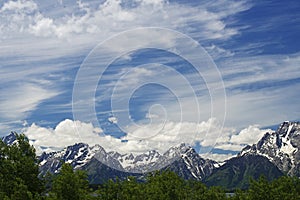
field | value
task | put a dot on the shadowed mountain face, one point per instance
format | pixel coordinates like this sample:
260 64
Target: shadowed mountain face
237 172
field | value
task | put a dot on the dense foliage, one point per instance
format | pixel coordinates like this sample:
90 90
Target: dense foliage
19 180
283 188
19 170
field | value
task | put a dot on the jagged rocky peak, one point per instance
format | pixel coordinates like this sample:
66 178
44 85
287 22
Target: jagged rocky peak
74 150
281 147
10 139
177 150
288 128
188 163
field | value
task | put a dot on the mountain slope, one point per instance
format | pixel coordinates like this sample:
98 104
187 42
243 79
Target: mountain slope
237 172
99 173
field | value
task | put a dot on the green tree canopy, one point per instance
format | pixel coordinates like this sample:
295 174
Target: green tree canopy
19 170
69 184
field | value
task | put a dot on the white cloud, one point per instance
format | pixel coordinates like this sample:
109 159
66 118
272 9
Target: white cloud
217 157
17 102
229 146
113 120
43 26
134 76
40 38
237 141
258 87
66 133
31 38
27 6
249 135
217 52
69 132
113 16
252 69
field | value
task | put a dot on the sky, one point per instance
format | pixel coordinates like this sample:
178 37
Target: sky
138 75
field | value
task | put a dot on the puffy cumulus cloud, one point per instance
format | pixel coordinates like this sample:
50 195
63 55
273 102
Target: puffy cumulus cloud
67 132
15 17
229 146
249 135
43 26
26 6
144 139
209 134
171 133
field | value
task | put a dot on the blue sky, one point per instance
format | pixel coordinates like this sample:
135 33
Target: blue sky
150 97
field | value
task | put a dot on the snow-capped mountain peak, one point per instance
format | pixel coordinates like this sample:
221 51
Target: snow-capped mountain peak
10 139
181 158
280 147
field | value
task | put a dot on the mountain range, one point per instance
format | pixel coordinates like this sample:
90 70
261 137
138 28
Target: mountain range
275 154
102 165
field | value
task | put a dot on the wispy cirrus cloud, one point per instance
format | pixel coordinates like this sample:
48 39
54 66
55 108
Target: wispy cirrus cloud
44 43
261 86
14 104
39 39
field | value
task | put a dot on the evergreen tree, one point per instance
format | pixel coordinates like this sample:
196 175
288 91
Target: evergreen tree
164 185
111 190
19 170
131 189
69 184
283 188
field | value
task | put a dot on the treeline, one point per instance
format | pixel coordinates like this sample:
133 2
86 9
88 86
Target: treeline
19 180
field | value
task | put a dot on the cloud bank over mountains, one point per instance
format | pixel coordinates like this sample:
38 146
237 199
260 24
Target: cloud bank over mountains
69 132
